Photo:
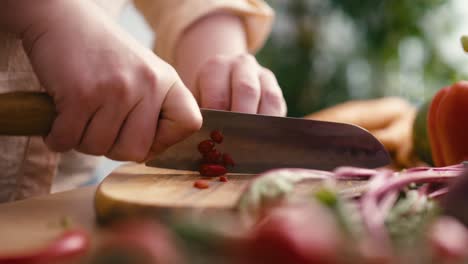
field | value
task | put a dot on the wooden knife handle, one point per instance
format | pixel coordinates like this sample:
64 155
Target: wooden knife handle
26 113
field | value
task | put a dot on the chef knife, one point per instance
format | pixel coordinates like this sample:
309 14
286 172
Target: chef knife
255 142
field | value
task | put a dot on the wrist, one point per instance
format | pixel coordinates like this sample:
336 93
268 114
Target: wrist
215 34
16 16
21 16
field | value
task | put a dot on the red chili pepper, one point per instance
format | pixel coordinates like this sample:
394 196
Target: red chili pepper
69 245
206 146
214 156
216 136
223 179
227 160
138 240
212 170
201 184
448 123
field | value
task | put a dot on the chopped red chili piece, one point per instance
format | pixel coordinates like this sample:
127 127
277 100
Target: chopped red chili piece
201 184
223 179
214 156
206 146
212 170
227 160
216 136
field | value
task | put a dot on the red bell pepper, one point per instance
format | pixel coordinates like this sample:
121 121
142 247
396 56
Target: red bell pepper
448 125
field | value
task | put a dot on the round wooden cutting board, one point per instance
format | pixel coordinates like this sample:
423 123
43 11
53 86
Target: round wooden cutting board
136 189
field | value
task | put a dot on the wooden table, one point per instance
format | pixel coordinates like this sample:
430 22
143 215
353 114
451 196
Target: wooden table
30 223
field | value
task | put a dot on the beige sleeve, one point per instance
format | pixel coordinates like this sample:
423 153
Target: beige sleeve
169 19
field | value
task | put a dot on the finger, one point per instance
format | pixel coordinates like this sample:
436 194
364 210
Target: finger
103 129
137 132
214 84
68 127
180 118
271 100
245 85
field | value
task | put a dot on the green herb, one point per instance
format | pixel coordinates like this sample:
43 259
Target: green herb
345 211
66 222
408 219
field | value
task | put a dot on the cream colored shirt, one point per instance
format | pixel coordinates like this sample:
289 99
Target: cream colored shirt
27 167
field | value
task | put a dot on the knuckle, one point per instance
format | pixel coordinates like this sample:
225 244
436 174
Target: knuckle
168 81
219 103
172 71
193 123
121 86
214 62
273 97
151 77
268 73
124 96
248 88
84 97
120 79
246 58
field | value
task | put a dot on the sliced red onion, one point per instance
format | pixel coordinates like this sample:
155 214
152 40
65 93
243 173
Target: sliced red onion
438 193
354 173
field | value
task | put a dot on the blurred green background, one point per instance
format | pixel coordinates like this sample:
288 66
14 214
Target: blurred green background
324 52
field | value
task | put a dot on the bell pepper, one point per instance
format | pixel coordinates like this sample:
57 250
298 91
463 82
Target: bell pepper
448 125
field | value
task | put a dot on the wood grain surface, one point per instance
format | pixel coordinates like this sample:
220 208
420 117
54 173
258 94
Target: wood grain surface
32 223
134 189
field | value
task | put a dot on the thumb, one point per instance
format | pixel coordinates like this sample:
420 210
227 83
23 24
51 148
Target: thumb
180 117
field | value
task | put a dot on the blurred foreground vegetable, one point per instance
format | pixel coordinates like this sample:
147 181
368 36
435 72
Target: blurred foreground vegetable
296 234
69 246
139 241
395 219
391 223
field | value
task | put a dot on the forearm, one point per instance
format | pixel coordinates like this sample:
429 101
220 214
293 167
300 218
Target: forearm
16 16
216 34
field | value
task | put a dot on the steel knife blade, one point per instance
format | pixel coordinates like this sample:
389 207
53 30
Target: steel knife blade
258 143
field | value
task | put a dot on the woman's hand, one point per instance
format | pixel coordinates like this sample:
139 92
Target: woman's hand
212 59
239 84
113 96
